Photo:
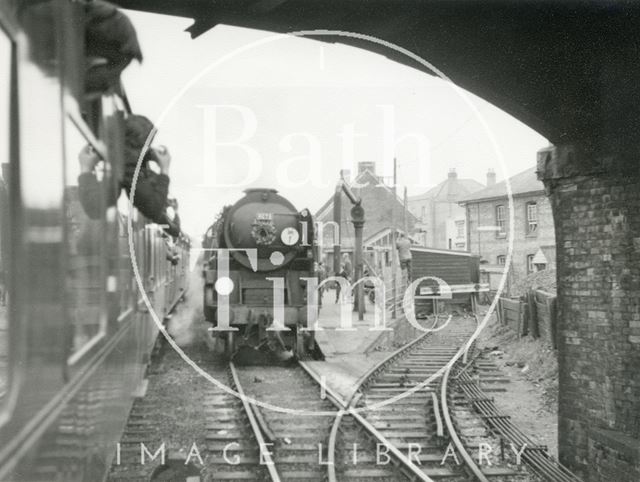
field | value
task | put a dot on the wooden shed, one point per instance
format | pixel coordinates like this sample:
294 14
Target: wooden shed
452 280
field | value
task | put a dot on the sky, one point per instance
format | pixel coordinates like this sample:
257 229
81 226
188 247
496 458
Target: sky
240 108
5 58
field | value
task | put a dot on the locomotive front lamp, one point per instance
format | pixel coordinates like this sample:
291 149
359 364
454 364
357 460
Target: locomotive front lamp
276 258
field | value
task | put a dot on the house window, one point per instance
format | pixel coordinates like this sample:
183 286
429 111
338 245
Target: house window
501 220
532 218
502 260
530 267
460 229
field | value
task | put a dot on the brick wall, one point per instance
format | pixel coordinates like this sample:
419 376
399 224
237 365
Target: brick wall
613 456
489 246
437 215
598 254
378 203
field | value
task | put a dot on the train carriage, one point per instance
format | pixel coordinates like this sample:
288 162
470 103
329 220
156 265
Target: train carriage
75 336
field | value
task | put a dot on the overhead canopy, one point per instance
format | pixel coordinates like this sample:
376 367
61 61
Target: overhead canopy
567 69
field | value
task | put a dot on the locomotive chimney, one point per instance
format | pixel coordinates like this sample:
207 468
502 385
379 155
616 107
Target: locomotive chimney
491 177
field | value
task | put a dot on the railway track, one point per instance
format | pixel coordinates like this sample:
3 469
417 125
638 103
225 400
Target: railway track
301 443
418 422
363 438
228 448
474 386
394 426
413 423
234 438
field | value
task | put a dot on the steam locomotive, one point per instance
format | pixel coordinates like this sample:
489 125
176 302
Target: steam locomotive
259 252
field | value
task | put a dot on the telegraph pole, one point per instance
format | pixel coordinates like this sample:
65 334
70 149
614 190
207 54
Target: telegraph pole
405 222
394 254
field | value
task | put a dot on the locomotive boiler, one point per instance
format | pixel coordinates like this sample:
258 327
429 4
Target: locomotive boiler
259 253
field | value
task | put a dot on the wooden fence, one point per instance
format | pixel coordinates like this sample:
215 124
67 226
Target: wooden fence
535 314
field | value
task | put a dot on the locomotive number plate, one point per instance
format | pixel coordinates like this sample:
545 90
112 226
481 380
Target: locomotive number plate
264 216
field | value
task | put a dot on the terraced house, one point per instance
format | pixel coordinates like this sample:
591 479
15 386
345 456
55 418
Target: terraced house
442 220
488 215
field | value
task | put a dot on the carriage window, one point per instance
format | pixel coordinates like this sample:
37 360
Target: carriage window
120 278
126 285
85 223
5 138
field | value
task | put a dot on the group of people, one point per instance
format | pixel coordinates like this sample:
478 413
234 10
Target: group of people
150 195
110 45
403 245
150 187
345 272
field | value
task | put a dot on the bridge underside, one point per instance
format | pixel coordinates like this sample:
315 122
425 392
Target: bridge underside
570 71
566 69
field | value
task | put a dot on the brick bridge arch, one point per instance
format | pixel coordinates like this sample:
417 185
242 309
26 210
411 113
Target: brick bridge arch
570 71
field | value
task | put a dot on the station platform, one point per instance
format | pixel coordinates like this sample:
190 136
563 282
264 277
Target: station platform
348 354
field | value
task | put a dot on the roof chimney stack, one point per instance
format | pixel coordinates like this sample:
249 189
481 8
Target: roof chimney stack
346 175
452 173
491 177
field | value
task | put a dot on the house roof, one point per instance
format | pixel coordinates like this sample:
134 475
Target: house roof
364 178
522 183
383 232
451 189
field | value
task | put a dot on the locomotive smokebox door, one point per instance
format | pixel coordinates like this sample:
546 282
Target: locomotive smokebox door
267 222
